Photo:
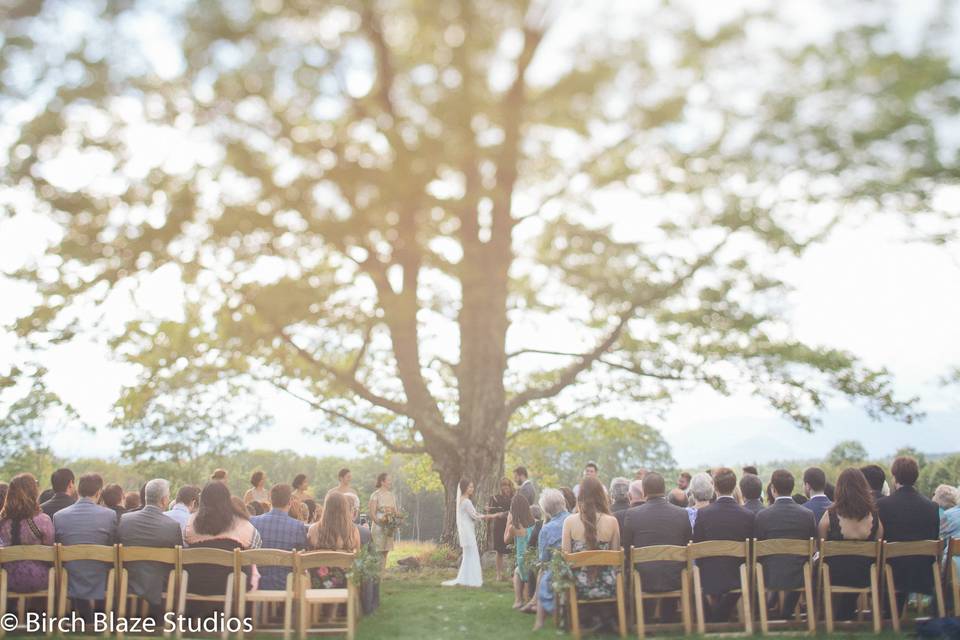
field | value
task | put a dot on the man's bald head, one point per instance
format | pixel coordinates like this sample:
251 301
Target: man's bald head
678 498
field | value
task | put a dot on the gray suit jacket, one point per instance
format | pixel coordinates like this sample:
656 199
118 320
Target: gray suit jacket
86 523
148 528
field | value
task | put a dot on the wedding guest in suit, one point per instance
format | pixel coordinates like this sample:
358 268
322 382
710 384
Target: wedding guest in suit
64 492
525 486
112 498
784 519
908 515
133 501
188 500
86 522
722 520
148 527
257 491
875 478
279 531
852 517
678 498
656 522
635 493
751 488
22 522
814 482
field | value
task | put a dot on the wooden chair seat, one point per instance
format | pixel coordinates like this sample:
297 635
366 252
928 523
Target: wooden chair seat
308 597
36 553
855 548
326 596
721 549
585 559
932 549
128 554
660 553
207 556
785 547
269 558
96 552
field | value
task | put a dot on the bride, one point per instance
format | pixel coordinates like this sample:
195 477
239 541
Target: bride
470 574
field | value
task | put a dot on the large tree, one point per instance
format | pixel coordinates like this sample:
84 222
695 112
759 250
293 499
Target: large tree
436 222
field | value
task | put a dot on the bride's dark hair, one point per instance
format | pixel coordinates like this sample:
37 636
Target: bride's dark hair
464 483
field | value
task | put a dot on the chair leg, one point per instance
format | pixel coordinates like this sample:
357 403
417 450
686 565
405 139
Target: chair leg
761 600
288 607
228 606
638 604
827 598
892 598
168 599
808 598
3 598
698 601
574 614
955 581
62 606
304 611
122 605
938 590
685 602
875 599
351 611
745 600
182 601
108 596
242 609
621 609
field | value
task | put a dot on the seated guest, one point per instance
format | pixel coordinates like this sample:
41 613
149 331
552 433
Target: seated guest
219 475
4 487
656 522
635 493
518 528
298 510
313 510
770 497
45 495
257 492
678 498
950 525
722 520
750 470
569 498
784 519
554 506
852 517
702 492
86 522
592 528
946 498
219 525
188 500
64 492
132 501
683 481
254 509
334 532
828 490
148 527
908 515
112 498
619 494
22 522
875 479
814 482
750 489
799 498
279 531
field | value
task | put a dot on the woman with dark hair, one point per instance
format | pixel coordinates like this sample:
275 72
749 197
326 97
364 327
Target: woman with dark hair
470 573
590 529
334 532
500 505
3 492
258 490
22 522
852 516
112 497
518 528
570 498
382 502
313 510
300 487
218 524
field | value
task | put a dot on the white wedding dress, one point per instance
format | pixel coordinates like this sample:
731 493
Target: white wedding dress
470 574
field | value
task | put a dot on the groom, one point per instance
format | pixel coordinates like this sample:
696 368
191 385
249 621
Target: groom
527 488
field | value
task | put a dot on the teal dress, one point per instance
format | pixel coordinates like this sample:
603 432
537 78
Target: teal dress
520 544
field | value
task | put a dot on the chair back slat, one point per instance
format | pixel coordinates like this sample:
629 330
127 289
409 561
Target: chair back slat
858 548
657 553
914 548
315 559
38 552
97 552
267 558
206 555
598 558
782 547
953 549
144 554
719 548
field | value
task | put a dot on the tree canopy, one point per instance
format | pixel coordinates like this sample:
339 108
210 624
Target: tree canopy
411 214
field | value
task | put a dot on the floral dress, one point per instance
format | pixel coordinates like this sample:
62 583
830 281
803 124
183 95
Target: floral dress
594 583
520 543
27 576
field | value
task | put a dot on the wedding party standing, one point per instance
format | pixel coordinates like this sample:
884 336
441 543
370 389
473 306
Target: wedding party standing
470 574
382 502
500 505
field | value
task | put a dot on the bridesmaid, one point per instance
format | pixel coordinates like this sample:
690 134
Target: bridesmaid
382 502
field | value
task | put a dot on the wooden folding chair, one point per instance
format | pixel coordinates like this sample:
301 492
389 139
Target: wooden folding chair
856 548
28 552
785 547
721 549
268 558
127 555
97 553
660 553
585 559
932 549
953 573
197 557
307 597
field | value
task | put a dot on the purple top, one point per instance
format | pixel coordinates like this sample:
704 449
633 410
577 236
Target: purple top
26 576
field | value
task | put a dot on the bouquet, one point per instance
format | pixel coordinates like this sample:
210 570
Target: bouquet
392 521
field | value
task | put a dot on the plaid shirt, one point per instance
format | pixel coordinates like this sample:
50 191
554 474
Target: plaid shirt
278 531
